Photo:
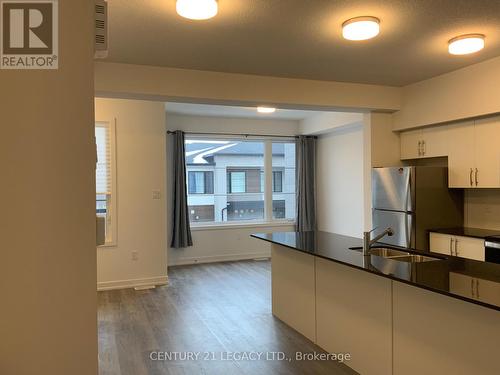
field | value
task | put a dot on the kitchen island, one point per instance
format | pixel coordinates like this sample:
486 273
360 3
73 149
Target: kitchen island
394 317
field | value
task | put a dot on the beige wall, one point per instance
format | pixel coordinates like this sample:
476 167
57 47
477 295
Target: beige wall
468 92
211 244
142 220
224 88
47 156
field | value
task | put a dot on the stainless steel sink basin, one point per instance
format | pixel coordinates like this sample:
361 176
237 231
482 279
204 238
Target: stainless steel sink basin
387 252
401 256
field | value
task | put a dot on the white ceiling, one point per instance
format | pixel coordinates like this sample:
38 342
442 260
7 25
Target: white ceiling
235 112
302 39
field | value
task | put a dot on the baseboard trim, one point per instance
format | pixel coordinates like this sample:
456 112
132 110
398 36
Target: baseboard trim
219 258
132 283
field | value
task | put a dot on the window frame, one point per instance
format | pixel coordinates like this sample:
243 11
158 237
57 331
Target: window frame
267 168
111 201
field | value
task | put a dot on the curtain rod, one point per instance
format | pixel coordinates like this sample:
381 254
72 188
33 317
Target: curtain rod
243 135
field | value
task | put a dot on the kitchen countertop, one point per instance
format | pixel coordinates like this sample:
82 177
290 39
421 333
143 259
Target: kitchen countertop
467 232
433 276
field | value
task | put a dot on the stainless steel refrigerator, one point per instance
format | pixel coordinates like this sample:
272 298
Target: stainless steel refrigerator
412 201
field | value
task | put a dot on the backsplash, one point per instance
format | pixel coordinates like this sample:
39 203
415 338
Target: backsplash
482 208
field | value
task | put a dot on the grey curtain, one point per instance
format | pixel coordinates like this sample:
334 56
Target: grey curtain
181 231
306 183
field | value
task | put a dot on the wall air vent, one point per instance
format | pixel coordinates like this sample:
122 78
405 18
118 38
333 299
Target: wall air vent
101 29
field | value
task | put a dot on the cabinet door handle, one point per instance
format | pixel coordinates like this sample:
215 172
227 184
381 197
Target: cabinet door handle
470 176
419 148
424 148
477 288
456 247
476 176
451 246
472 287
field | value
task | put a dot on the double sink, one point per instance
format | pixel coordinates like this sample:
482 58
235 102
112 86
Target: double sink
399 255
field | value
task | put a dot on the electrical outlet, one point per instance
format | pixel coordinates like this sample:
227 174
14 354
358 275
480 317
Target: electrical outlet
135 255
156 194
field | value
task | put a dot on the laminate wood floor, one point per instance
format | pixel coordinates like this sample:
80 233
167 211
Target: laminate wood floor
217 310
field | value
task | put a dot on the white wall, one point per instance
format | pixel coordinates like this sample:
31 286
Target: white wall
48 319
324 122
340 172
340 181
468 92
169 84
142 220
229 243
482 208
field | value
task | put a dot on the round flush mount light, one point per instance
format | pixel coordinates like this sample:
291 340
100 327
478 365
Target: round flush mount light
361 28
465 44
266 109
197 9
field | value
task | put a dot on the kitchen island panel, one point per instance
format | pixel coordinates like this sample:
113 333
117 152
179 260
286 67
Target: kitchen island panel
293 290
354 315
436 335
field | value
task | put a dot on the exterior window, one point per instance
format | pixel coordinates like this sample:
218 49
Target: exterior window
237 182
201 182
277 181
226 180
199 214
105 178
284 180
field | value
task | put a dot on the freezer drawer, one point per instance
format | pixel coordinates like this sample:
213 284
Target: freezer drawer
400 222
392 188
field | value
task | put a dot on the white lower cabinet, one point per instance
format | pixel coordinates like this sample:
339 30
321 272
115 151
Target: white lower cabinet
475 288
436 335
387 327
353 315
465 247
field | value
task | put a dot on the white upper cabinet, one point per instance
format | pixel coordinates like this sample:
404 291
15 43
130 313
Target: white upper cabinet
487 139
472 147
461 155
424 143
474 154
411 144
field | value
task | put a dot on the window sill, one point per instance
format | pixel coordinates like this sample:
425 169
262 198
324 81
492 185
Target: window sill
107 244
259 224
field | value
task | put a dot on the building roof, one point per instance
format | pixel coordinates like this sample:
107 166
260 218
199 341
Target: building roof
203 152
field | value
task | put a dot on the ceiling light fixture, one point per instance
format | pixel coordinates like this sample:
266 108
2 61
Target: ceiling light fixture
361 28
266 109
465 44
197 9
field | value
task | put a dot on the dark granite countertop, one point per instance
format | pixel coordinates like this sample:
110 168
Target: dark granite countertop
467 232
433 276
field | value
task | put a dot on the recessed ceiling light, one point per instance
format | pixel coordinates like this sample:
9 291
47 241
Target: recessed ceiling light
266 109
465 44
197 9
361 28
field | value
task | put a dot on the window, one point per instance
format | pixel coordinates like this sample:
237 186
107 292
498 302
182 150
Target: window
201 182
226 180
284 180
277 181
105 177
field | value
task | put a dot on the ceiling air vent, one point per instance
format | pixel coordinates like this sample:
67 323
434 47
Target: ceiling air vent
101 29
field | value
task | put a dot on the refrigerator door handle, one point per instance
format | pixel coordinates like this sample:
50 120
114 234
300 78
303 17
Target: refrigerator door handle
407 231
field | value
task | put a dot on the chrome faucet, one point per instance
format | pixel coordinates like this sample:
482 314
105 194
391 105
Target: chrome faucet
368 242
